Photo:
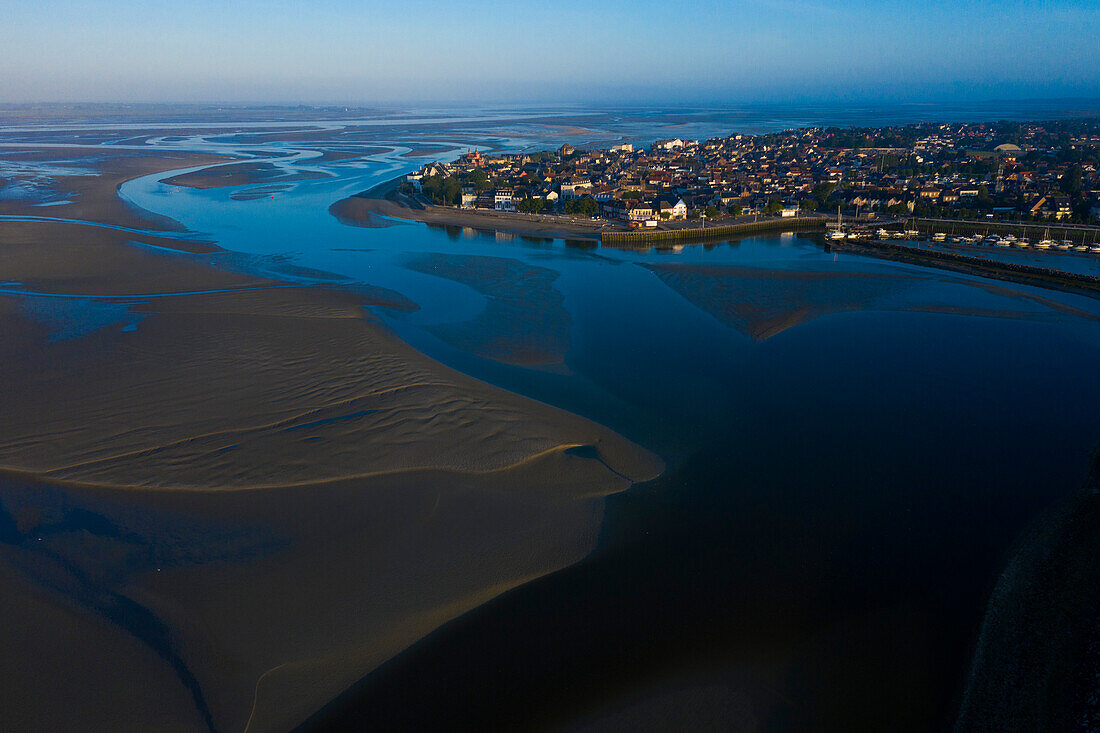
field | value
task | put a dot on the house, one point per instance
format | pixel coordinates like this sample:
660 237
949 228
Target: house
639 211
669 144
1059 207
469 199
789 211
574 187
502 199
675 207
435 169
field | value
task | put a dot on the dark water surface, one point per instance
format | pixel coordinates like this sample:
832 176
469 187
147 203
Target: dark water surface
853 446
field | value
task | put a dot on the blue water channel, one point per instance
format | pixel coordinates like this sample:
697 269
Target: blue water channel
853 444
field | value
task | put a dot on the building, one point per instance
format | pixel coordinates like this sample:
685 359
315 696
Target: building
502 200
675 207
639 211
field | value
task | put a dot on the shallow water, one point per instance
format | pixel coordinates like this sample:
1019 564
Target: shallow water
853 444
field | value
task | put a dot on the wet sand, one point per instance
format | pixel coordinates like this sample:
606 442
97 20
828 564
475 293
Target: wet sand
95 197
259 491
240 174
524 321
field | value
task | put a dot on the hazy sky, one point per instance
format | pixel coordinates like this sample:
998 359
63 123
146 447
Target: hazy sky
596 50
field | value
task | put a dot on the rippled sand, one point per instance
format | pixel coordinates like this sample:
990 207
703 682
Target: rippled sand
241 501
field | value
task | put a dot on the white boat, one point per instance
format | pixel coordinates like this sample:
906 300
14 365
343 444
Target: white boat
1081 248
1010 238
1002 243
1095 248
959 240
1063 246
837 233
1044 244
939 237
911 233
882 234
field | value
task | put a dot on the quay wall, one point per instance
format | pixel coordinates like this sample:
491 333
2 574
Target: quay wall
695 234
1013 271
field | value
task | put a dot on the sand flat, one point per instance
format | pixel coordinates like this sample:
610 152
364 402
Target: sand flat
277 493
95 197
524 322
239 174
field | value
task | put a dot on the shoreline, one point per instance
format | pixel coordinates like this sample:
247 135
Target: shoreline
384 200
231 433
372 207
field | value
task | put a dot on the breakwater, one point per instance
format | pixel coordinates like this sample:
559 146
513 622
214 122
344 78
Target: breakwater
1028 229
698 234
1012 271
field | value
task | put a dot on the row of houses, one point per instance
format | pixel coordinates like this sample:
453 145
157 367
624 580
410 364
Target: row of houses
1049 171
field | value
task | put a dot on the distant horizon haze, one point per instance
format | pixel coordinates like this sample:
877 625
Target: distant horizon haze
426 51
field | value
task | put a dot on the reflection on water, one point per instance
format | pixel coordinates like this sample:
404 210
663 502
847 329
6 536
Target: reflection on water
524 321
853 443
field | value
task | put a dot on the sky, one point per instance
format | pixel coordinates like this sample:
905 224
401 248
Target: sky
612 51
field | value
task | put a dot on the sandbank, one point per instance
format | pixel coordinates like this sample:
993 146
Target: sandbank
238 174
252 482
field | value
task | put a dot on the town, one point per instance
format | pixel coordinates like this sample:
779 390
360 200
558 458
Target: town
1009 171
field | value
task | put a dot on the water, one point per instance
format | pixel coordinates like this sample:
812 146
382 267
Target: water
853 444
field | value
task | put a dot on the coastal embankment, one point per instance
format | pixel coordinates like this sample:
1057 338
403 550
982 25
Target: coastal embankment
701 234
373 207
1071 232
984 267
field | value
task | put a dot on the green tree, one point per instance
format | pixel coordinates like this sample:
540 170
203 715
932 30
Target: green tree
1071 180
823 191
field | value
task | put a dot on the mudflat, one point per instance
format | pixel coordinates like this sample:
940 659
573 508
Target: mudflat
238 494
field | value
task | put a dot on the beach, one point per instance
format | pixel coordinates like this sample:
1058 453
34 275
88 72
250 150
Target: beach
253 493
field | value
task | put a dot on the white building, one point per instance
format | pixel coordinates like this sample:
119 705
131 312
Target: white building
502 199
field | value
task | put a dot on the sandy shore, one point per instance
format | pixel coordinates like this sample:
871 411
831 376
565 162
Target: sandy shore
239 174
365 209
240 496
94 196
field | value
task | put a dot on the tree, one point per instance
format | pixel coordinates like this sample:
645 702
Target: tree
1071 181
587 206
822 191
735 209
807 205
711 211
774 206
532 206
480 180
